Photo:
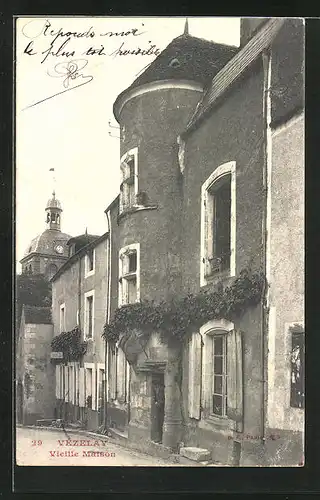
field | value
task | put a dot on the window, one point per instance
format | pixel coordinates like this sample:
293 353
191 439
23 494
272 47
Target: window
90 385
62 318
219 382
218 218
297 368
89 262
89 315
129 286
219 375
129 180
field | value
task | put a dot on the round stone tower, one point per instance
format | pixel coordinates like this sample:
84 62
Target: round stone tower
152 113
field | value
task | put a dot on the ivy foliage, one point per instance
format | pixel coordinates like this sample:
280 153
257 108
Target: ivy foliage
70 344
179 317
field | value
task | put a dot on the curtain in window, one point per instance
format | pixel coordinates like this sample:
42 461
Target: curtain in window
235 379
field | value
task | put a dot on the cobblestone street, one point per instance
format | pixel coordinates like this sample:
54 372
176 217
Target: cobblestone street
46 447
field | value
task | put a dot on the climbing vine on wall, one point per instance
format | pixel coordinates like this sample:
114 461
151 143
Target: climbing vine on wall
70 344
178 318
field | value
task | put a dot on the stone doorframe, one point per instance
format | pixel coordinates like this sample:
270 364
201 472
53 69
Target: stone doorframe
172 410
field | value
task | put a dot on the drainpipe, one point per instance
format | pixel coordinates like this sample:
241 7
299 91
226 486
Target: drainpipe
106 385
266 57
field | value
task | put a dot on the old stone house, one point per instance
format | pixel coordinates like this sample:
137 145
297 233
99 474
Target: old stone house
34 371
205 316
79 304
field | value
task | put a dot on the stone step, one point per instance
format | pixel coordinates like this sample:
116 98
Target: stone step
196 454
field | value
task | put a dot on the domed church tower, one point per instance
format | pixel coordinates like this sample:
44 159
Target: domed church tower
48 251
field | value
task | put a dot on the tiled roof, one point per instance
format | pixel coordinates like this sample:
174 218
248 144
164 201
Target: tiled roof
37 315
185 58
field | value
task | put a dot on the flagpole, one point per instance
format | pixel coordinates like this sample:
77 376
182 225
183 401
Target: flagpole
53 180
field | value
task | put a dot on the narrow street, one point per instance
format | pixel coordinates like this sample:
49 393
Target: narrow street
46 447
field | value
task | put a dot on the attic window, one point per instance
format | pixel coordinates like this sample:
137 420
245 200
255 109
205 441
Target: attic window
174 63
30 248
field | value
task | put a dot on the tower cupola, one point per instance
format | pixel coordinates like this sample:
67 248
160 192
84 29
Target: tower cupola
53 210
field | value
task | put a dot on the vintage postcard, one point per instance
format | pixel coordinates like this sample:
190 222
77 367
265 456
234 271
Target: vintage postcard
159 241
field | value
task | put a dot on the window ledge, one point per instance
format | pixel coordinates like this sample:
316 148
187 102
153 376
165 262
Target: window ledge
224 278
216 421
135 208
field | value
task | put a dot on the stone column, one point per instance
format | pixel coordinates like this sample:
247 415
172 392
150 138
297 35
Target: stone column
172 410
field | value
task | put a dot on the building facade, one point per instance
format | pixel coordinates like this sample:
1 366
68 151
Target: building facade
34 371
210 204
79 305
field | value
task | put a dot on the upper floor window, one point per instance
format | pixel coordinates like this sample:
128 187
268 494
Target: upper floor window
62 318
218 223
129 180
89 314
90 262
129 274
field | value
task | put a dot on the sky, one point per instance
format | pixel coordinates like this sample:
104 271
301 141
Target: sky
69 130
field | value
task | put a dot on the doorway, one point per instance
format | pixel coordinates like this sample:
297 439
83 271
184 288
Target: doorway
157 406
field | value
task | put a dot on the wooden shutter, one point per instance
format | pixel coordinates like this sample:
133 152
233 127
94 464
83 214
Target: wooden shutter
76 383
195 361
121 376
66 384
58 381
94 388
82 396
235 379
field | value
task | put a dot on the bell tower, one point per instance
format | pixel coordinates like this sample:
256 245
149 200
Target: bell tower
53 210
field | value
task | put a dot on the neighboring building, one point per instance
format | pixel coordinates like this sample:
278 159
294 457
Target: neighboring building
212 184
34 371
79 306
48 251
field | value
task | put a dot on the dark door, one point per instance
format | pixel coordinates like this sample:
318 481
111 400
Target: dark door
157 407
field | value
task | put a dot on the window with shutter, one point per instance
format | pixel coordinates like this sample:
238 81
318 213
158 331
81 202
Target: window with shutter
216 377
